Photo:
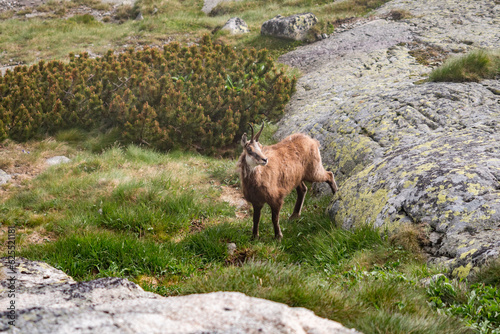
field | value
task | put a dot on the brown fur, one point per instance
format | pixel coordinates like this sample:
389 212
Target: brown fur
289 163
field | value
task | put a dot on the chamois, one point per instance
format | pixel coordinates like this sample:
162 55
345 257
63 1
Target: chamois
269 173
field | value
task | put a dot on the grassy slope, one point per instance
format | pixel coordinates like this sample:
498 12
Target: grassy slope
158 219
28 40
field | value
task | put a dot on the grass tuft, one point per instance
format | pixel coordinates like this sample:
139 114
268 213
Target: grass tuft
472 67
411 237
488 274
477 304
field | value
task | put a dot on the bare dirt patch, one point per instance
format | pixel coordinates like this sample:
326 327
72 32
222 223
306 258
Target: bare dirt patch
240 257
197 225
427 54
28 236
35 237
25 161
234 197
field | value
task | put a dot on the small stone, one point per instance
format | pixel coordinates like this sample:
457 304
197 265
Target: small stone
57 160
231 248
4 177
435 237
236 26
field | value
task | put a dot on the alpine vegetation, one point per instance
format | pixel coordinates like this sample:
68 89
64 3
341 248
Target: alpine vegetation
195 98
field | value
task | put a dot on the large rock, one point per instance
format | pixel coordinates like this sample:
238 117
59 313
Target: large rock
407 152
48 301
293 27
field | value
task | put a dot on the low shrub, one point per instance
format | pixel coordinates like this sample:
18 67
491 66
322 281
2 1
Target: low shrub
478 305
196 98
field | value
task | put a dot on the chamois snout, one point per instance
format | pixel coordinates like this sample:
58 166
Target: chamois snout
253 149
254 155
261 161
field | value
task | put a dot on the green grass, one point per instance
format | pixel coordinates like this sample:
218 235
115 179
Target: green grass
92 254
158 219
489 274
478 304
107 191
473 66
27 40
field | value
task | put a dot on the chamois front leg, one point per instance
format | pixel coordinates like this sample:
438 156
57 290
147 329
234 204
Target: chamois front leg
301 195
275 211
256 218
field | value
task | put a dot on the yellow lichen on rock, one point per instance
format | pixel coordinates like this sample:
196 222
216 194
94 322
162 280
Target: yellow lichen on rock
475 188
462 271
469 252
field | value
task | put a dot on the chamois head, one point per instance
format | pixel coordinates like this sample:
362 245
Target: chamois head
253 149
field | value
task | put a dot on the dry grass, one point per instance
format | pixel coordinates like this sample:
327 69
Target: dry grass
27 160
411 237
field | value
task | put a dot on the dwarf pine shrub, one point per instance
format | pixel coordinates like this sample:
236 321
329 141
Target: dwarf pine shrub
196 98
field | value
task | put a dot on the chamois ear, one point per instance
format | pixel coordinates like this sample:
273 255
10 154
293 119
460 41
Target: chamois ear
258 133
244 140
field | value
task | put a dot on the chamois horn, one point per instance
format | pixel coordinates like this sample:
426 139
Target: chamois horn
251 137
258 133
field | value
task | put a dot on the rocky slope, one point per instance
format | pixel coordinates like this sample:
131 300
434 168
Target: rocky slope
48 301
408 152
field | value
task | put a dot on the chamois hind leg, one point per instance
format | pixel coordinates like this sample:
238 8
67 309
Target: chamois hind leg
331 182
275 211
256 218
301 195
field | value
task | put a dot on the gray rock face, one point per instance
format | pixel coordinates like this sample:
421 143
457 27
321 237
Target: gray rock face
408 153
48 301
4 177
236 26
293 27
